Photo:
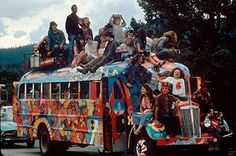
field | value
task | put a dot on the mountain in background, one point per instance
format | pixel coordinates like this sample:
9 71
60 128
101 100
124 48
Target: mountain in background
15 57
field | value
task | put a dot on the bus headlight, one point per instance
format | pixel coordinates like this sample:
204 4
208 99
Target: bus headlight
207 123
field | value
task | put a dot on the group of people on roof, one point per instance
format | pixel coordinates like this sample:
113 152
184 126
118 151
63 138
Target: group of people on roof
111 43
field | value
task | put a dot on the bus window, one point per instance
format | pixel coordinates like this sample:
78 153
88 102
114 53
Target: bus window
117 91
65 91
74 90
98 89
22 91
46 91
94 90
37 90
84 90
55 90
29 90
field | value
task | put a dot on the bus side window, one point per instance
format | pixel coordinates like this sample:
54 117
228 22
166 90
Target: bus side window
55 90
74 90
65 90
37 90
117 91
29 91
84 90
22 91
46 91
94 90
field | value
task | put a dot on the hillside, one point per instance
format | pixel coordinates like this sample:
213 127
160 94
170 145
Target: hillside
15 57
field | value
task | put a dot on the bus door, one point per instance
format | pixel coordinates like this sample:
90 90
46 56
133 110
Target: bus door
118 112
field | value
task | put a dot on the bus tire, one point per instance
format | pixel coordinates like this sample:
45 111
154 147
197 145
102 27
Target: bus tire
30 143
143 145
45 144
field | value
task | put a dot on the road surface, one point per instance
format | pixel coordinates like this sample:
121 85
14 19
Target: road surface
20 149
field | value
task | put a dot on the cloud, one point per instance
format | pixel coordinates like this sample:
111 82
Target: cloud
33 17
19 34
36 35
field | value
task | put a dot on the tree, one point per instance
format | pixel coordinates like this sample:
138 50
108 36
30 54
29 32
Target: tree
208 29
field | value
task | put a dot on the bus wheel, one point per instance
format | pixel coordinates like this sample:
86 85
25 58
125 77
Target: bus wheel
142 145
30 143
45 143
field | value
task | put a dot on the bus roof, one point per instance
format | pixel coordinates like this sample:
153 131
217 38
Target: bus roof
69 74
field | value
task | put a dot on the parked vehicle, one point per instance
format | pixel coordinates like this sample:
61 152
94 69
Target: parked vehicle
9 129
63 107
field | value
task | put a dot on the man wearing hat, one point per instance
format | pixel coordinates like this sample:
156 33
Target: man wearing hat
165 108
56 41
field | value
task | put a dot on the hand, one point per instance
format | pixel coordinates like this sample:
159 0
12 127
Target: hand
129 85
61 47
157 122
171 50
36 47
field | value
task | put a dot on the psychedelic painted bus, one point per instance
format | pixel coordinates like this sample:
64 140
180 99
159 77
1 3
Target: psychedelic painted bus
63 107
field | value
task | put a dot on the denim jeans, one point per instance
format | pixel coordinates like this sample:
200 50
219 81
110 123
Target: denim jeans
140 119
73 39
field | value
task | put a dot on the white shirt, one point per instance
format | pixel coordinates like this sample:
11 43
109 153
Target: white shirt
178 86
91 49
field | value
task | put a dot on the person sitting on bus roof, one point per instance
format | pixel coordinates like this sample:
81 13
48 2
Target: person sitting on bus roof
146 102
134 77
108 56
56 41
140 44
117 22
164 49
165 109
42 48
99 52
88 54
126 49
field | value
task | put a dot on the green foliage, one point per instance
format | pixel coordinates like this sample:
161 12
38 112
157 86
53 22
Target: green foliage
13 63
207 29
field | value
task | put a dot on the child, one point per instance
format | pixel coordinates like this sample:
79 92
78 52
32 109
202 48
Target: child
118 23
147 102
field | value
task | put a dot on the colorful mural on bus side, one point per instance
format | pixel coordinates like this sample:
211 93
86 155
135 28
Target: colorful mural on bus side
76 121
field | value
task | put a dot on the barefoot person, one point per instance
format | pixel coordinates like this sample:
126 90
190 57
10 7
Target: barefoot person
146 101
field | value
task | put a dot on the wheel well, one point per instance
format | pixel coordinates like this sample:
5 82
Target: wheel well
40 127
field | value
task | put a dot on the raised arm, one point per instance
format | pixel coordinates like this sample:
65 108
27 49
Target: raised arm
111 21
124 23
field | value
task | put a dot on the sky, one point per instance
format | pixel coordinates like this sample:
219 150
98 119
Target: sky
25 22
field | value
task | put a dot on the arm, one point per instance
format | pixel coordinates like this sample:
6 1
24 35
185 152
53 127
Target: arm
161 42
111 21
124 23
138 48
37 46
141 110
67 24
49 39
63 38
156 112
181 103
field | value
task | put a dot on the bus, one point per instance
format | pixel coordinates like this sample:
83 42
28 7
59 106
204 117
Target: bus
63 107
